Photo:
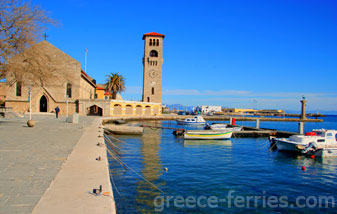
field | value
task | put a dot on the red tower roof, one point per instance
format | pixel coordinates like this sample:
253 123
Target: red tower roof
153 34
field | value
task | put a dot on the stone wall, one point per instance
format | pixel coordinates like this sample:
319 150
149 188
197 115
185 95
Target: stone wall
85 104
87 90
2 91
64 69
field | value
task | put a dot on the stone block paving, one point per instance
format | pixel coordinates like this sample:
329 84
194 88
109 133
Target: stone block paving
30 158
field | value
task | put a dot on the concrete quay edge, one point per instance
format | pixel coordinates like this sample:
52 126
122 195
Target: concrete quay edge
214 117
71 190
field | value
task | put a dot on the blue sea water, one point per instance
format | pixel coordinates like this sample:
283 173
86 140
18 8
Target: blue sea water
239 175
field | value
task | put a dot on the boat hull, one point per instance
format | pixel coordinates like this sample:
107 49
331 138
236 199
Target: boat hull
207 135
182 122
283 145
297 147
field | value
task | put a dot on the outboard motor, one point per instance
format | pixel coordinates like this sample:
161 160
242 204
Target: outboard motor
312 146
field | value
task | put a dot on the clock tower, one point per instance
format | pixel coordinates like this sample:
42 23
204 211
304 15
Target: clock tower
152 63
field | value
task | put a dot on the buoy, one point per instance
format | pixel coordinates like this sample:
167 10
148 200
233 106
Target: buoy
303 168
312 156
166 169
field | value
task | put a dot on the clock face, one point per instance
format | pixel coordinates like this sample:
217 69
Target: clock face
153 73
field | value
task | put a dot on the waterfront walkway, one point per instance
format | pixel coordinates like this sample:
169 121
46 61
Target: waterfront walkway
55 162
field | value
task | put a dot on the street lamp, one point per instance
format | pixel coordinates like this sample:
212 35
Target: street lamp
30 122
30 101
67 106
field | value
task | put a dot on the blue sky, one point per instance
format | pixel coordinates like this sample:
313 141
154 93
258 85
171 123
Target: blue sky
245 54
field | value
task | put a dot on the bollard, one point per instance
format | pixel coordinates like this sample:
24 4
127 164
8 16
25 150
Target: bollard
233 121
257 123
301 127
83 125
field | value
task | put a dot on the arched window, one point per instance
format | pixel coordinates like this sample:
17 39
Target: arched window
157 42
153 53
18 89
150 42
148 99
68 92
152 90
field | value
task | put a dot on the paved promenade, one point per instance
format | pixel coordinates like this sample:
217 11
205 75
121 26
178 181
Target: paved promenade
31 160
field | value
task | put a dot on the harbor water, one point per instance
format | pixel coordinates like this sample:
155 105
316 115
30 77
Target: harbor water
163 173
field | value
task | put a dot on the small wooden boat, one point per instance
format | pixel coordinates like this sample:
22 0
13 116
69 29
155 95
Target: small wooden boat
207 134
222 127
119 122
197 120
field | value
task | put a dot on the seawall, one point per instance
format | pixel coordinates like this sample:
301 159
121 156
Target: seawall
85 170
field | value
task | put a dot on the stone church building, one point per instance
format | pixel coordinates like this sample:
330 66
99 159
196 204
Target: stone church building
69 84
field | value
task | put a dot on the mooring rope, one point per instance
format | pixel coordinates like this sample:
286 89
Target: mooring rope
139 175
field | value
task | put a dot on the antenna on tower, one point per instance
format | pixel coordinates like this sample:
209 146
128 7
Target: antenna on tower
85 61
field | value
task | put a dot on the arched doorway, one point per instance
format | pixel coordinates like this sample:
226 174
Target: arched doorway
43 104
155 111
95 110
128 109
139 110
117 109
148 110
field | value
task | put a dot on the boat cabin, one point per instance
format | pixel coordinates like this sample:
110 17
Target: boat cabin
328 134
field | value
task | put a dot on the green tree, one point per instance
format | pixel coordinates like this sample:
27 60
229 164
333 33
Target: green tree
115 84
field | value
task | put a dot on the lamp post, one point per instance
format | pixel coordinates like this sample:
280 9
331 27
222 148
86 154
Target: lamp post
30 101
67 106
30 122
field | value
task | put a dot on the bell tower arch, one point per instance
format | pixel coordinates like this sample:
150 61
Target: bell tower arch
152 64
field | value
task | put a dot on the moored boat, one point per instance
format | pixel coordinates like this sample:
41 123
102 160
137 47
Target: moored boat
223 127
207 134
319 142
196 120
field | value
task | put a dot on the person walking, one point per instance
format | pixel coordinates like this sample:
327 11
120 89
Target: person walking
57 110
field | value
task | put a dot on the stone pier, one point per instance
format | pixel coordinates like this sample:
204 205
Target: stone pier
52 167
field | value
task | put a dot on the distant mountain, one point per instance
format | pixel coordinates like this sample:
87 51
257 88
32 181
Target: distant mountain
179 107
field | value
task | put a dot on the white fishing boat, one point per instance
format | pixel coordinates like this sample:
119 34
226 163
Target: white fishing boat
207 134
319 142
223 127
196 120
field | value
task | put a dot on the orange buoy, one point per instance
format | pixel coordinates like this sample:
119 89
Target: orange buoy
303 168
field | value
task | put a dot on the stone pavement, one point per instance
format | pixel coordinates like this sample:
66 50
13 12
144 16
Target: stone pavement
30 158
86 169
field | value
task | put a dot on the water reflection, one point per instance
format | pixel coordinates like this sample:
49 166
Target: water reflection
188 143
329 164
152 170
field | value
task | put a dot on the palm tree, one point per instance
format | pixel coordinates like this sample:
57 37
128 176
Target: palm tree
115 83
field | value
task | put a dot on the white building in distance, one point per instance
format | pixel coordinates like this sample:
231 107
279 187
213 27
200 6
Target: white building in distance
206 109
